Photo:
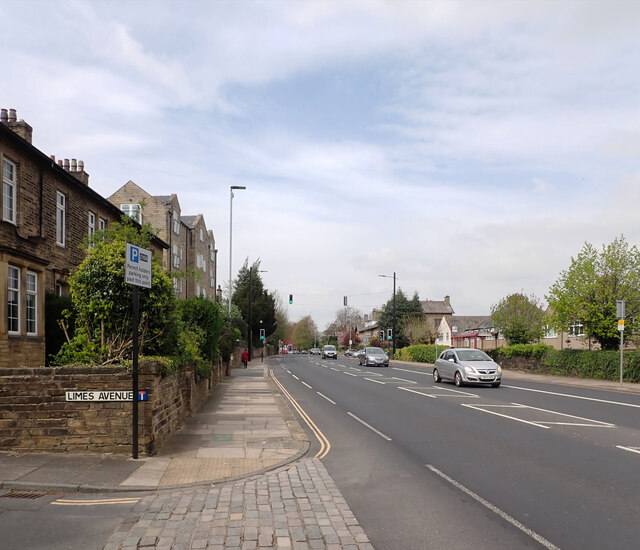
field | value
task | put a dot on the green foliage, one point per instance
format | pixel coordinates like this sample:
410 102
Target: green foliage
588 290
54 306
519 318
601 364
202 317
421 353
304 332
521 350
405 309
102 300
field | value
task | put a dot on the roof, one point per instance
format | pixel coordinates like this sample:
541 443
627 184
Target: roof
436 307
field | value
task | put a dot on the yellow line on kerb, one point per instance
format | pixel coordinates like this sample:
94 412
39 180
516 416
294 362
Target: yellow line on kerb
95 502
325 446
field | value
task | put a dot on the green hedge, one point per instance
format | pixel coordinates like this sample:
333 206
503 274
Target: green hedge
521 350
422 353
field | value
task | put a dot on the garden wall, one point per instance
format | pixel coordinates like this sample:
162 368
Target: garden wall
35 415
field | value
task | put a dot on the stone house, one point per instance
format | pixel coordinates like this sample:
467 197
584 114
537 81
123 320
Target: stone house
48 209
191 245
433 311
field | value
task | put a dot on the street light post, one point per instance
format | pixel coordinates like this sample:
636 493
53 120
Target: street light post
393 322
231 239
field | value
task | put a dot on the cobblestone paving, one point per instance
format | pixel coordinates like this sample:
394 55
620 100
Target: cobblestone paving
297 507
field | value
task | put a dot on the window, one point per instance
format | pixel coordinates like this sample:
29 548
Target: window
102 224
201 235
61 209
212 255
133 211
58 289
92 224
200 261
577 329
13 300
176 222
9 190
32 303
212 282
176 256
550 332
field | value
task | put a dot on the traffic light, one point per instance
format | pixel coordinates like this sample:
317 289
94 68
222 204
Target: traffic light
291 298
382 335
389 334
261 334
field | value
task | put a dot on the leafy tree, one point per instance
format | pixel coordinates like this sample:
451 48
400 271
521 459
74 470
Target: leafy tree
343 338
588 290
405 309
304 332
102 300
519 317
262 303
203 317
346 317
282 321
417 330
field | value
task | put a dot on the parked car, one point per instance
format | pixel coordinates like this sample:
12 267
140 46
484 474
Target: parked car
329 352
467 366
315 351
350 352
304 352
373 357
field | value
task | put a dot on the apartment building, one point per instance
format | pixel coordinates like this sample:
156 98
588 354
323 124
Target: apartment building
48 209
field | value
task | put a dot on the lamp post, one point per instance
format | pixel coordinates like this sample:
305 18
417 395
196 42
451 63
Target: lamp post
393 323
231 240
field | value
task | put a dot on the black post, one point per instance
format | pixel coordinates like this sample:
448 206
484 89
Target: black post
136 315
393 326
250 300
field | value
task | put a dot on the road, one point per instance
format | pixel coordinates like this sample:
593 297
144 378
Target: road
425 465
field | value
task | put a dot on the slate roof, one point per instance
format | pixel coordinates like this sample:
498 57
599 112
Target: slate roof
436 307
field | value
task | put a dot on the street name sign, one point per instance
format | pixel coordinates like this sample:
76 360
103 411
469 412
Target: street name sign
137 267
104 395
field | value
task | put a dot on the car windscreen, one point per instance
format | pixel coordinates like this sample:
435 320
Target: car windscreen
375 351
329 348
473 355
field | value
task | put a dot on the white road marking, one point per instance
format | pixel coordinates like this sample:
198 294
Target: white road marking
325 397
404 380
575 396
630 449
376 381
435 395
295 377
350 374
413 371
540 539
337 370
308 386
418 392
373 373
369 426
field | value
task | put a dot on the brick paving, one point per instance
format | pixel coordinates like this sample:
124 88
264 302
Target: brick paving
297 507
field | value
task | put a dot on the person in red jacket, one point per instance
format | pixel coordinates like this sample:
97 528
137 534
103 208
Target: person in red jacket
245 357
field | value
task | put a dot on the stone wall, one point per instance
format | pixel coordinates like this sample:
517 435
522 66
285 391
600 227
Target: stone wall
35 416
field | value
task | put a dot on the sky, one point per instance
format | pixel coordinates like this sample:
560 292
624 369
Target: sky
471 148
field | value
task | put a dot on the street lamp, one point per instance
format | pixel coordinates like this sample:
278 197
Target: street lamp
393 324
231 240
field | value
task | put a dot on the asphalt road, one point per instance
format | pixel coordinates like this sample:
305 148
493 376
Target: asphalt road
425 465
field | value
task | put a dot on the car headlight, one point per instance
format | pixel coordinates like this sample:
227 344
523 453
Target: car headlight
499 368
469 370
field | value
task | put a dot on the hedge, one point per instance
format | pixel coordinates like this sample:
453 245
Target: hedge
422 353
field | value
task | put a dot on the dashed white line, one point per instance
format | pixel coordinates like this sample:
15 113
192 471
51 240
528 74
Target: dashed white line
295 377
383 436
325 397
575 396
544 542
376 381
413 371
418 392
349 374
404 380
337 370
308 386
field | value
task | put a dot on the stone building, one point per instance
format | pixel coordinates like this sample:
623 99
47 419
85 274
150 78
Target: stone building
48 209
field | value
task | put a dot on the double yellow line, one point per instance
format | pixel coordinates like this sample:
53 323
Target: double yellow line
325 446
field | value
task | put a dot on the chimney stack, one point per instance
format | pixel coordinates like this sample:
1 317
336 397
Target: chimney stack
20 127
447 301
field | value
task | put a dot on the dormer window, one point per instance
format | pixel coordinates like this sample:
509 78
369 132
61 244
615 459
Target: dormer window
133 211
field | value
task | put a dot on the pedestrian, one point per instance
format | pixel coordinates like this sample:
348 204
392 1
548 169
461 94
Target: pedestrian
245 358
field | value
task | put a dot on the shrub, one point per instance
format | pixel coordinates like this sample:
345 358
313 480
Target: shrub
599 364
521 350
421 353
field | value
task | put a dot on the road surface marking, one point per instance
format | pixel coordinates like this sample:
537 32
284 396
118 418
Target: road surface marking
349 374
295 377
373 373
418 392
96 502
376 381
404 380
630 449
575 396
308 386
337 370
325 397
413 371
369 426
544 542
325 446
435 395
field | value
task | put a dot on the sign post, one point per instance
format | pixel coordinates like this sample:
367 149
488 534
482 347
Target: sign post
620 314
137 272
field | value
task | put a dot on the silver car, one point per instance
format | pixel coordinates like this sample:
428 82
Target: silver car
467 366
329 352
373 357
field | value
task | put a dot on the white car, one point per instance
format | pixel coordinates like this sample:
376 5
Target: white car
329 352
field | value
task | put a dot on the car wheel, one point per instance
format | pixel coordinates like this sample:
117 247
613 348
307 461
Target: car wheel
495 385
436 376
458 379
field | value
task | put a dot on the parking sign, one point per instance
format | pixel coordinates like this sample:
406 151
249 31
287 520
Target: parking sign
137 266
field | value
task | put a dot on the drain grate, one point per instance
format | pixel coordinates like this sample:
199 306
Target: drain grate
22 494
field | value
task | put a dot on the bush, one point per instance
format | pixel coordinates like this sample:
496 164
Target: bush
521 350
600 364
54 306
421 353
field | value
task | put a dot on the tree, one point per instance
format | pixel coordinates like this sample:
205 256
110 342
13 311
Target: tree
262 303
417 330
304 332
586 293
347 318
102 300
344 337
519 317
405 309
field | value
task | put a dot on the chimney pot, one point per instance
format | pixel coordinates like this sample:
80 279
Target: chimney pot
12 115
60 163
65 164
74 165
81 165
52 157
4 115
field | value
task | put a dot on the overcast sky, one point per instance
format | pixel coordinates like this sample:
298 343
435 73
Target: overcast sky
471 147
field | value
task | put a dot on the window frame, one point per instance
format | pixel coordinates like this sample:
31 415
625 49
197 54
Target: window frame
91 220
176 222
32 295
126 208
61 219
11 320
13 194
